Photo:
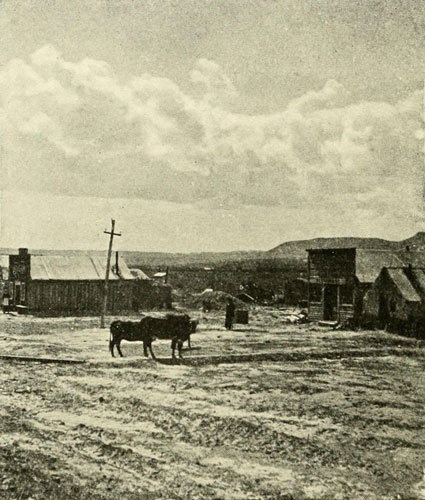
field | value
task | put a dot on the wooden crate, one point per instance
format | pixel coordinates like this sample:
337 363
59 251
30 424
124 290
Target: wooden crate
241 316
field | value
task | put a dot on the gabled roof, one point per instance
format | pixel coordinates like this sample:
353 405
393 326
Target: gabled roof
84 267
401 281
369 263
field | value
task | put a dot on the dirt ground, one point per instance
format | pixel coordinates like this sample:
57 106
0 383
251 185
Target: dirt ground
268 411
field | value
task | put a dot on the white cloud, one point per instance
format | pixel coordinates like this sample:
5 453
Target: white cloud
78 128
217 85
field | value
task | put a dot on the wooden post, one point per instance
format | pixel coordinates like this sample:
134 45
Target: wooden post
108 265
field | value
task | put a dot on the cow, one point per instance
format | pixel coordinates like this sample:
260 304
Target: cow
174 327
130 331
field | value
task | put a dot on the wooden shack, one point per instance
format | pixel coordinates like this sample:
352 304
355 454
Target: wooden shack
74 285
338 279
396 300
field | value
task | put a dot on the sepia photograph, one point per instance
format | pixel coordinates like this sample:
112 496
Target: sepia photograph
212 249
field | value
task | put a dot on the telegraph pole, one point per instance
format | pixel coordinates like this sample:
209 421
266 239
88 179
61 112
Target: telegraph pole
108 265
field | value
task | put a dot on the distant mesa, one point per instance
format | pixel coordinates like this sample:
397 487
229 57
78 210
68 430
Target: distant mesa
297 249
290 250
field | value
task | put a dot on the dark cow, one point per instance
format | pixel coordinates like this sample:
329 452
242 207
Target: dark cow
130 331
174 327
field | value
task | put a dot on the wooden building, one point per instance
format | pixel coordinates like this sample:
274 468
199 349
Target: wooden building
396 300
73 285
338 279
4 276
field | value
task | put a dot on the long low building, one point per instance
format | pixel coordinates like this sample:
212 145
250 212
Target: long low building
74 285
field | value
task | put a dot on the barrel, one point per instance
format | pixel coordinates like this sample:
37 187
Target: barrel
241 316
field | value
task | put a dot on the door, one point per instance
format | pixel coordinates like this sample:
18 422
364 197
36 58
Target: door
383 311
330 303
17 294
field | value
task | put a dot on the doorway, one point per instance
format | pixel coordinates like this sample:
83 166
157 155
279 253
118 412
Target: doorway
383 311
330 303
17 294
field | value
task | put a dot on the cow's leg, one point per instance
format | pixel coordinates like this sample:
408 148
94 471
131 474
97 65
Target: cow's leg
173 347
180 347
150 350
111 345
118 344
145 349
188 342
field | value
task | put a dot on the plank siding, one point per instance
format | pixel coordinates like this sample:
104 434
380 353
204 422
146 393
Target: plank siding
334 266
346 312
78 297
331 267
315 311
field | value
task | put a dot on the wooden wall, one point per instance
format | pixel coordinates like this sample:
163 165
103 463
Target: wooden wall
315 312
398 308
62 298
330 266
346 311
78 297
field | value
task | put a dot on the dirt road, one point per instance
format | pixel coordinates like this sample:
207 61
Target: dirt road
268 411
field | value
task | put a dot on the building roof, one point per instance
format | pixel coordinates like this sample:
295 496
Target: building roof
160 274
369 263
401 281
139 274
81 267
419 277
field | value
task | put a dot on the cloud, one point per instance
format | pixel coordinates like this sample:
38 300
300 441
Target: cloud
216 84
79 128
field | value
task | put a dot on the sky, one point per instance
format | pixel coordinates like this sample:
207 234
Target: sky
210 125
